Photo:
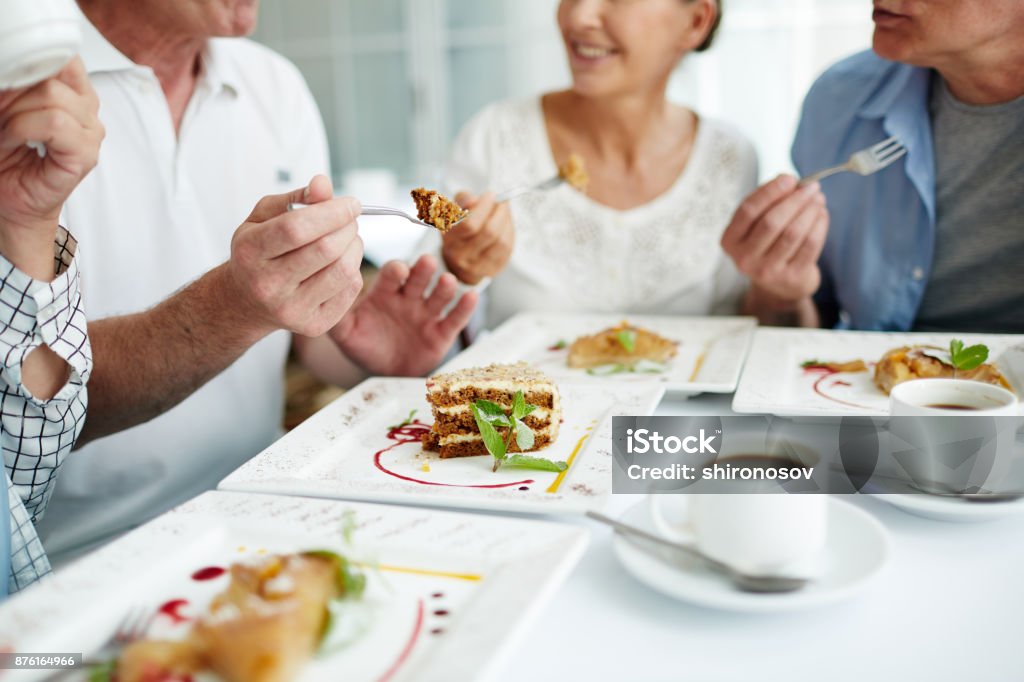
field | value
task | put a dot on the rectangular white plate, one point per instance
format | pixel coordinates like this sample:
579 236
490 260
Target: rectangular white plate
349 451
711 349
451 592
773 381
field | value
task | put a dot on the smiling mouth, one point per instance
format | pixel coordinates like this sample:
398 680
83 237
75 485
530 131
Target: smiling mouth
881 16
591 51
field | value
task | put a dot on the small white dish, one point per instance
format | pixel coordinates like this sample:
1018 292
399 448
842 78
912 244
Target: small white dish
351 450
951 509
448 595
774 381
710 356
855 551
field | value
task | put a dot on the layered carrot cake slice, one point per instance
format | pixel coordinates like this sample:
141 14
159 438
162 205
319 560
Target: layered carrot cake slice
452 395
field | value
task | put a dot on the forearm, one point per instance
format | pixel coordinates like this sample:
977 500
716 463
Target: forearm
773 311
146 363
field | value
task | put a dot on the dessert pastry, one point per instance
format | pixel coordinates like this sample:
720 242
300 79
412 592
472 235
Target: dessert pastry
574 172
923 362
451 395
623 344
262 628
437 209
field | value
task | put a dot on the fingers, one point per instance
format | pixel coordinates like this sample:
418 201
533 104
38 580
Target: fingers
341 278
810 250
792 237
53 95
459 316
277 204
776 220
313 257
478 219
444 291
391 277
76 77
465 200
295 229
755 206
419 277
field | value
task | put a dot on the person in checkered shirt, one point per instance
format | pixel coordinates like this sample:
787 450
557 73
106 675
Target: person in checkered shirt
43 341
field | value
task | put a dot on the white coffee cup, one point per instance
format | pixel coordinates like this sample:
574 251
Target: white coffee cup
37 38
761 533
935 419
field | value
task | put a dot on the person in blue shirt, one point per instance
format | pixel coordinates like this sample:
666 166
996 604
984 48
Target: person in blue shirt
936 240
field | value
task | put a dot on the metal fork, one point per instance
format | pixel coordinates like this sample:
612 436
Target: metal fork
132 628
384 210
864 162
541 186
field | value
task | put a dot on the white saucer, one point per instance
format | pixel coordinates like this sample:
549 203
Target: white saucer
957 511
855 551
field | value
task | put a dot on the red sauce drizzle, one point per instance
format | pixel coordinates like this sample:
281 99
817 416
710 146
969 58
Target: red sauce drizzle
417 628
825 373
413 433
208 573
172 610
839 382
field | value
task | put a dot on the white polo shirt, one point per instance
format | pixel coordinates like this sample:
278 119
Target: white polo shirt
157 212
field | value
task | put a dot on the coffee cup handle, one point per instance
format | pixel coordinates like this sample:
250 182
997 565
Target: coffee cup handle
662 526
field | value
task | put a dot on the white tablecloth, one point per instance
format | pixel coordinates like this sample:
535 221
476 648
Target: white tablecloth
948 606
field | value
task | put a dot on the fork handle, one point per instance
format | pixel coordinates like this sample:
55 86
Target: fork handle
815 177
513 193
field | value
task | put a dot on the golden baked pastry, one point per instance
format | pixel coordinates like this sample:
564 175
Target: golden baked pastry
913 362
437 209
575 173
262 628
623 344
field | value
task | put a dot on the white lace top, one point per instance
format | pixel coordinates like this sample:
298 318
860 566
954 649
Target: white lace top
574 254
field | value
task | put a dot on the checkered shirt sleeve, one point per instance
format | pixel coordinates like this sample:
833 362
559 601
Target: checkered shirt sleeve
36 435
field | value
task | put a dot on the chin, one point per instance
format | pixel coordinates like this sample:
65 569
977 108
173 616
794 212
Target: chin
890 46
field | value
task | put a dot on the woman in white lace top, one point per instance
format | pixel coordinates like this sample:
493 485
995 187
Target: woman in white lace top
664 181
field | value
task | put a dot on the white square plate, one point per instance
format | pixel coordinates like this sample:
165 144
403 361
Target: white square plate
450 594
348 450
711 349
773 381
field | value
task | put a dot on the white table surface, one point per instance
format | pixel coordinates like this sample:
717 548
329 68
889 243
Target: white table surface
948 606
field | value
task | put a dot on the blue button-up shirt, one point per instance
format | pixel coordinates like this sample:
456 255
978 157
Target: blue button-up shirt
878 255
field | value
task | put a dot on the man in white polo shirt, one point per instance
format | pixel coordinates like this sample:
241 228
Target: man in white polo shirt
201 125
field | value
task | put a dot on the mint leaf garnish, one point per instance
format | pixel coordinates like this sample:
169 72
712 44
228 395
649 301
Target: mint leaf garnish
538 463
605 370
492 440
492 413
351 581
627 338
965 359
649 367
559 345
524 435
103 672
406 422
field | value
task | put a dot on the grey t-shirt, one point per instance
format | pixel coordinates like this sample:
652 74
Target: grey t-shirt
977 277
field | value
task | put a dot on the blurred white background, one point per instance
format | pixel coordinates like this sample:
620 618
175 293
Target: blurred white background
396 79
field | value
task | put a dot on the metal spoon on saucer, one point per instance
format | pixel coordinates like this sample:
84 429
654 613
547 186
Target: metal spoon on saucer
763 584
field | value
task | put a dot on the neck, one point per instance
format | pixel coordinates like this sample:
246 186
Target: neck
140 34
625 126
985 81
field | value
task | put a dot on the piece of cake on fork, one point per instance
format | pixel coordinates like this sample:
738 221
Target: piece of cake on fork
451 396
437 209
